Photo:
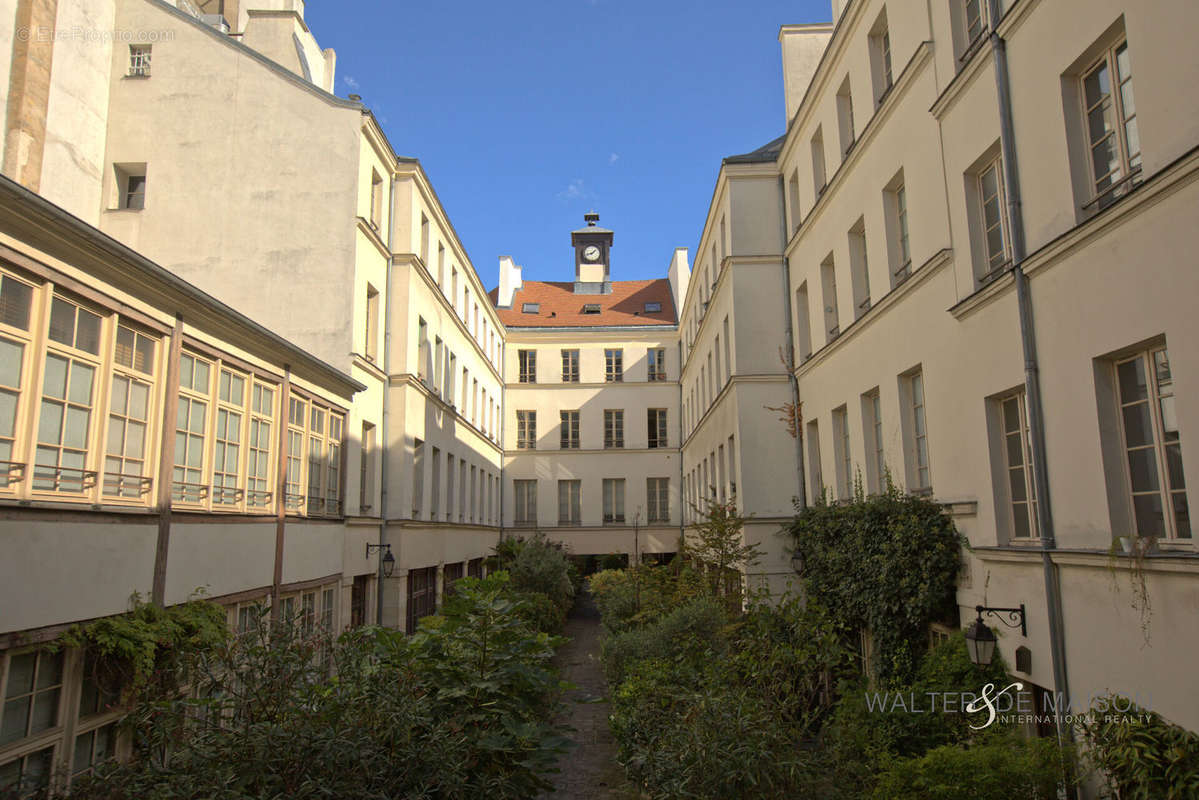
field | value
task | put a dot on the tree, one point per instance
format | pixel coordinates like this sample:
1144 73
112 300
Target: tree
718 543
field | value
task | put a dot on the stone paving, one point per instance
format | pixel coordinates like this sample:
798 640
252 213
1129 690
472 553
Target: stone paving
589 771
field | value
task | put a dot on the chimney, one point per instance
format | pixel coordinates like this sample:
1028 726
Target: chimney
679 275
510 282
803 45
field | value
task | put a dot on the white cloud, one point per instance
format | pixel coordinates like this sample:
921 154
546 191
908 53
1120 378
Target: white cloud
575 190
612 159
349 81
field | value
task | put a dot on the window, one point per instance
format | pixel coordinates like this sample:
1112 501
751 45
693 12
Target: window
449 486
135 192
91 748
371 345
1152 448
130 186
613 428
656 428
258 471
613 501
591 308
526 502
613 366
991 197
728 355
815 476
462 490
28 774
441 266
139 60
32 693
435 499
418 476
845 116
293 499
912 387
366 477
128 416
190 429
422 350
422 597
657 499
657 363
424 239
1111 123
454 289
528 365
859 268
895 207
803 324
1020 488
880 57
570 502
872 430
530 308
227 442
653 308
841 453
793 200
333 504
828 280
526 430
570 366
570 430
474 493
376 200
975 16
732 467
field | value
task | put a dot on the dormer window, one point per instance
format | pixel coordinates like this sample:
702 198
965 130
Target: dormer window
530 308
591 308
651 308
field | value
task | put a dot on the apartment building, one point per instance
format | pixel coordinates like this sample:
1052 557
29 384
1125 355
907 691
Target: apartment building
153 441
987 243
592 430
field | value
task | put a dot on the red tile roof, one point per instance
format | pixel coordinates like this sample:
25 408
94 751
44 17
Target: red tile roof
560 307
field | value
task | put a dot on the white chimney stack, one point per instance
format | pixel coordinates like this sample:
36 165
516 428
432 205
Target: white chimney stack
803 45
510 282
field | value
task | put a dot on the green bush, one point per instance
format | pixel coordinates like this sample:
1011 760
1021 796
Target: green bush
687 632
1000 769
1139 754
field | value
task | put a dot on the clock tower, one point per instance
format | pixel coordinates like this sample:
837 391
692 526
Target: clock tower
592 247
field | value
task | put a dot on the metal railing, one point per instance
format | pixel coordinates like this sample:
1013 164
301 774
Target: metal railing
13 472
184 492
117 484
1114 192
63 479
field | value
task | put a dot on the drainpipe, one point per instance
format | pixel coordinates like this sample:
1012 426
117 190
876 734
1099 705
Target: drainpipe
1032 384
786 272
391 211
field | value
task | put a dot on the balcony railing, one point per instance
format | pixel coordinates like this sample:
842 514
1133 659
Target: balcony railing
12 472
63 479
118 484
184 492
1114 192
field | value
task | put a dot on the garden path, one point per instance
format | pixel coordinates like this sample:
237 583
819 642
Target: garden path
589 771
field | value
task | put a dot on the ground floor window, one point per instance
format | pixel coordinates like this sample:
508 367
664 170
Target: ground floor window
422 596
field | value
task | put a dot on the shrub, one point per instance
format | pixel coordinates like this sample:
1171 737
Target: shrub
997 770
688 631
1139 754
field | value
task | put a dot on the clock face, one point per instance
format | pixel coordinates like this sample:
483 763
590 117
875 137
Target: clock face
591 253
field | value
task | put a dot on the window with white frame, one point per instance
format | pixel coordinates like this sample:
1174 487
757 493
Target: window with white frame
613 501
842 454
1020 488
919 475
129 415
656 428
974 17
828 281
815 472
1114 144
569 437
657 497
435 498
993 218
570 502
525 506
613 365
1152 446
613 428
316 460
259 466
859 267
819 179
16 298
880 57
526 430
872 428
657 363
139 60
845 121
227 441
895 206
33 695
570 366
528 365
191 420
293 494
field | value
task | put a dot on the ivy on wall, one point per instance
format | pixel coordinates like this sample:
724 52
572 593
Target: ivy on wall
886 564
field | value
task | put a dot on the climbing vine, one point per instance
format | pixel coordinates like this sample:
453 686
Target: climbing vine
147 646
884 564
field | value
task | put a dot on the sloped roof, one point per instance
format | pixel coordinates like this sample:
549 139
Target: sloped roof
767 152
560 307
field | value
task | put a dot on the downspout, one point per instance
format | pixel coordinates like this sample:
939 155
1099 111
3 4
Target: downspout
1032 384
503 420
682 440
391 212
790 351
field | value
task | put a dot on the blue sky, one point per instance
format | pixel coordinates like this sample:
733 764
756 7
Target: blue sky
527 114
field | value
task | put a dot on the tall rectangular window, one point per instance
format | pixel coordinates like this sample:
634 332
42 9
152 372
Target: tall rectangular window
128 415
656 428
845 117
728 355
1111 123
828 280
528 365
994 224
1017 451
418 477
613 428
919 476
613 366
449 486
613 501
371 343
570 430
793 200
366 473
570 502
657 500
227 442
422 350
33 694
525 507
258 471
859 267
657 363
526 430
191 426
316 461
732 467
435 485
803 323
462 490
880 57
1152 447
570 366
975 17
842 454
872 430
895 207
376 200
424 238
815 474
819 179
293 496
139 60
